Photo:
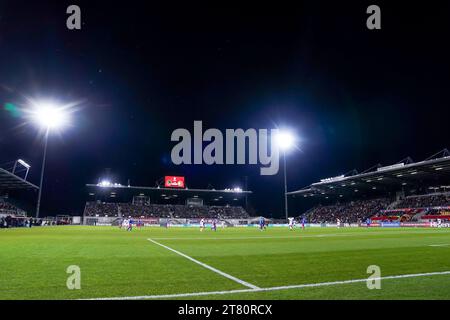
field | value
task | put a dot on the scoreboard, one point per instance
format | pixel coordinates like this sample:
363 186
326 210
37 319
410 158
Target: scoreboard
174 182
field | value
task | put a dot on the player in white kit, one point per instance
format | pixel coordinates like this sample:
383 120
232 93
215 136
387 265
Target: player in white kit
202 224
291 223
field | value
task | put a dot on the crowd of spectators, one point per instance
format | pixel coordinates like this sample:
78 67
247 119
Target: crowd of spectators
360 210
437 211
16 222
7 208
402 215
163 211
425 201
101 209
8 217
350 212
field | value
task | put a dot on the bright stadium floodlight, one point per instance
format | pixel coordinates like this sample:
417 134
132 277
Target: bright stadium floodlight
49 116
285 140
104 183
23 163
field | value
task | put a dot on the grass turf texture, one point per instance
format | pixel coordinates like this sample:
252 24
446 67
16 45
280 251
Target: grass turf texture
116 263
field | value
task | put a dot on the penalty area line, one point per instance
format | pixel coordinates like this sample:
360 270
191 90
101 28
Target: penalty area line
299 286
204 265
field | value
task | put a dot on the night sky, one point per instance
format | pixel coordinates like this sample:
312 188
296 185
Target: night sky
356 97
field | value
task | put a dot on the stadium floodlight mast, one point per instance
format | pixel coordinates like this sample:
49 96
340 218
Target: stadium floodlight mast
23 164
49 117
285 141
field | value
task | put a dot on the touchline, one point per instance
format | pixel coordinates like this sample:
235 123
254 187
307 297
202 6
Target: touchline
252 145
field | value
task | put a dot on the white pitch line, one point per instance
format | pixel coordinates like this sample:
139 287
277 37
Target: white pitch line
234 238
204 265
300 236
299 286
439 245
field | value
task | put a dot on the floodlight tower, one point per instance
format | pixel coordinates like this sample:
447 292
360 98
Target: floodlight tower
285 141
48 117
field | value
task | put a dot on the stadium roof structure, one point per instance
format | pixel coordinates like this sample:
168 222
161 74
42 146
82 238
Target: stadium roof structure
119 191
433 171
183 190
9 181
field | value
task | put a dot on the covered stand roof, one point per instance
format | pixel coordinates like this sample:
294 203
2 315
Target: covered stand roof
433 171
9 181
116 190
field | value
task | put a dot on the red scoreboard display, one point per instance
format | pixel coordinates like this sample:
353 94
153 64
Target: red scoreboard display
173 182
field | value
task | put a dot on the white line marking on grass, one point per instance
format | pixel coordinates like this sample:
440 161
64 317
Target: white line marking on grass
300 236
299 286
226 275
256 237
229 238
440 245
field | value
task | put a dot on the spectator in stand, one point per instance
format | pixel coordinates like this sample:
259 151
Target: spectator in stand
99 209
350 212
424 201
7 208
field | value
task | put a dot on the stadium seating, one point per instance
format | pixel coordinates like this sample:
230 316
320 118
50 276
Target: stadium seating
8 209
425 201
402 215
101 209
350 212
411 208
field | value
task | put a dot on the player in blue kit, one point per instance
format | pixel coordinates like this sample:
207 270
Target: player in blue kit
262 224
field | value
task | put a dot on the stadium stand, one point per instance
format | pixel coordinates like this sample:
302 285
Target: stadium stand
402 215
425 201
442 213
351 212
7 208
406 191
102 209
12 216
411 208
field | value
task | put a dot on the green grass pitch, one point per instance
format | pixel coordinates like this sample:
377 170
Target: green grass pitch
117 263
